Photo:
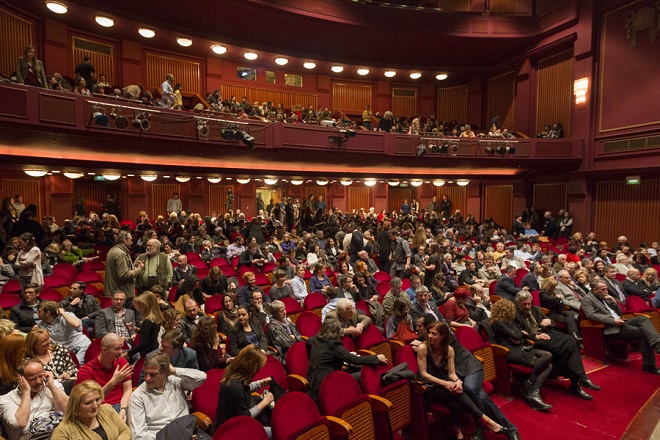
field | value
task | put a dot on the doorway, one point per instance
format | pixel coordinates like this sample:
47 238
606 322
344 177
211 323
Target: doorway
265 195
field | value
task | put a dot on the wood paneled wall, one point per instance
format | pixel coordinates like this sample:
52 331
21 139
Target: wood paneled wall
396 196
550 197
501 96
630 210
160 194
555 91
101 55
358 198
351 98
229 90
186 72
305 99
218 198
274 96
317 191
94 195
30 189
15 34
457 195
453 103
404 101
498 204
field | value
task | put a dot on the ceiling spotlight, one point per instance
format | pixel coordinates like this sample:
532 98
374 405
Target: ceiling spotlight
57 7
322 182
149 177
185 42
393 183
416 183
182 179
346 182
421 149
281 61
309 64
100 117
214 179
142 122
363 71
219 49
390 73
337 69
462 182
438 182
111 176
370 182
416 75
146 32
248 140
35 172
296 182
202 129
249 55
441 76
104 21
73 175
270 181
243 180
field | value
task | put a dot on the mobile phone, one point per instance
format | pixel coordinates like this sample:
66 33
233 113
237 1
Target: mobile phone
45 380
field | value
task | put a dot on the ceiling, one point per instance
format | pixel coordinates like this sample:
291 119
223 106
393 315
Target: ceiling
356 34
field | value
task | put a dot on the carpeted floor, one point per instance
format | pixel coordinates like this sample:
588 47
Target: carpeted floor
626 389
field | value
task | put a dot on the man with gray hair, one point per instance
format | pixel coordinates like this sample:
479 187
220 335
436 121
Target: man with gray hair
564 349
120 273
395 293
347 315
157 268
531 279
424 305
567 291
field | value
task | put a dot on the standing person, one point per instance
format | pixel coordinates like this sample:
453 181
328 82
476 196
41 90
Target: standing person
174 204
178 99
445 206
167 91
384 246
87 71
19 206
110 206
29 70
28 261
400 254
120 274
157 268
366 118
152 318
87 418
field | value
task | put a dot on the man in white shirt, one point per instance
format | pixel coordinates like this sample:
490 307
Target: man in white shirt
161 398
37 395
167 91
64 328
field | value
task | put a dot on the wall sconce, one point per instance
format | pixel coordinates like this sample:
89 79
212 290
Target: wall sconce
346 182
182 179
270 181
393 183
73 175
111 176
580 87
322 182
214 179
149 177
416 183
462 182
296 182
243 181
370 182
438 182
35 172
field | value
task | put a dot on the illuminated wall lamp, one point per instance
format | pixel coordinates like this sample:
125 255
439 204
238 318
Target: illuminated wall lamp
580 87
219 49
462 182
185 42
438 182
57 7
73 175
35 173
296 182
111 176
370 182
149 177
214 179
146 32
393 183
182 179
104 21
249 55
346 182
416 183
243 181
321 182
270 181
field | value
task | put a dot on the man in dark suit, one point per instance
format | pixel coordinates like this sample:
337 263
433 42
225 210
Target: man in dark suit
531 279
505 286
564 348
424 305
172 344
600 306
356 243
183 270
116 319
633 285
549 225
347 315
614 286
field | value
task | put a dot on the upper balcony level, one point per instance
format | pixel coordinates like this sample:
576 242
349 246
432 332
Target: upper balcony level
44 127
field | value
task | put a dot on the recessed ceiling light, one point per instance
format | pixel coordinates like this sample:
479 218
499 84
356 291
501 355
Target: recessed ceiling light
149 177
104 21
249 55
73 175
111 176
36 172
416 75
441 76
146 32
370 182
57 7
390 73
214 179
281 61
185 42
309 64
219 49
337 69
363 71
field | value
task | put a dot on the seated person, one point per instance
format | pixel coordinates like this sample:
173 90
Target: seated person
226 319
161 399
64 328
204 343
24 314
633 285
182 270
82 305
216 283
415 282
38 394
282 333
456 311
55 358
298 284
351 322
189 322
394 293
280 287
116 319
251 256
246 331
172 343
244 293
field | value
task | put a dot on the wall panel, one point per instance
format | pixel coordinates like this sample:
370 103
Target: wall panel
274 96
101 56
229 90
404 101
305 99
630 210
358 198
501 96
15 34
351 98
554 91
498 204
457 195
93 194
550 197
453 103
30 189
396 196
186 72
218 197
160 194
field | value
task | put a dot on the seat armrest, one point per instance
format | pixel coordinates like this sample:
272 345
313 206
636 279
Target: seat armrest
379 403
203 421
499 350
363 352
339 427
588 323
297 382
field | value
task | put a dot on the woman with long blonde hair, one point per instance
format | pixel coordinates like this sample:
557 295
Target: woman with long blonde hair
152 319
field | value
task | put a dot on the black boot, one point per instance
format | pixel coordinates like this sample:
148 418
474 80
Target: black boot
535 401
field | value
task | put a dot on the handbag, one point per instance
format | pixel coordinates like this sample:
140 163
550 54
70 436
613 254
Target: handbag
404 333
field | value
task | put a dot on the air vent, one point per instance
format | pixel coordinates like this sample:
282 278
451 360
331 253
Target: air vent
400 93
632 144
91 46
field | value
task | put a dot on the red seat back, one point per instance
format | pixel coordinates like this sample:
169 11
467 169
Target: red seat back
12 286
93 350
308 323
306 413
338 390
205 397
297 359
407 355
370 336
274 369
67 270
137 371
636 304
470 338
92 266
89 277
50 295
9 300
213 304
219 262
193 256
54 281
291 305
314 300
240 428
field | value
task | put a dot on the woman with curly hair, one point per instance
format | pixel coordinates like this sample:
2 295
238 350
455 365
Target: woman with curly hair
510 334
205 341
171 319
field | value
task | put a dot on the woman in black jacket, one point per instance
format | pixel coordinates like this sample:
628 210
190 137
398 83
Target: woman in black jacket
245 332
147 305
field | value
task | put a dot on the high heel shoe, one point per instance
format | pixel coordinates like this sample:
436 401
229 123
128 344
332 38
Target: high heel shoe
511 434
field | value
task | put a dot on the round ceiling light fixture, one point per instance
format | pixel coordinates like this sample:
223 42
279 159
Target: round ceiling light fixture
219 49
104 21
73 174
370 182
441 76
438 182
243 180
296 182
182 179
346 182
393 183
462 182
57 7
270 181
337 68
390 73
185 42
309 64
281 61
363 71
35 172
146 32
214 179
111 176
249 55
416 75
322 182
149 177
416 183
